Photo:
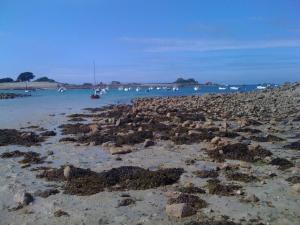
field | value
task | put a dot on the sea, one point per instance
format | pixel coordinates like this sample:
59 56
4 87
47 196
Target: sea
42 103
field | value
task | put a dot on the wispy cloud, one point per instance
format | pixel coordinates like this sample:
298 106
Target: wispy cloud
189 45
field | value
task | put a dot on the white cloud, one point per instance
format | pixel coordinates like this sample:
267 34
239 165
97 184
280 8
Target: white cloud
197 45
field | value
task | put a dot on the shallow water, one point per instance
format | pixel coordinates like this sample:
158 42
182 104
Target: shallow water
17 112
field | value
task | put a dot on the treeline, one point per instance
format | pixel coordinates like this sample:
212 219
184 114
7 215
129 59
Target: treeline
26 76
186 81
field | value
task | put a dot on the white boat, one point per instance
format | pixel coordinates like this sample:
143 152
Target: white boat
261 87
103 91
120 88
222 88
137 89
196 88
126 89
61 89
158 88
175 89
234 88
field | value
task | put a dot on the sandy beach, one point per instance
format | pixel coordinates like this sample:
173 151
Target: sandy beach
30 85
195 160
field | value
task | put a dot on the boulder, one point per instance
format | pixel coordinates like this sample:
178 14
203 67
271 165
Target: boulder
148 143
119 150
180 210
296 187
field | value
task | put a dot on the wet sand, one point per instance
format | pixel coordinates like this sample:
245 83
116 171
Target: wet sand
239 154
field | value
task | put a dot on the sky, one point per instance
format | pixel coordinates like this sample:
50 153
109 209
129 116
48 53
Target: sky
224 41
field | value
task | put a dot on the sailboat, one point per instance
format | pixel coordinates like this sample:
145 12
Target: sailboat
26 88
96 90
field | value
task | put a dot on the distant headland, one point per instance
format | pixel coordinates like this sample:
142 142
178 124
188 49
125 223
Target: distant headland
26 80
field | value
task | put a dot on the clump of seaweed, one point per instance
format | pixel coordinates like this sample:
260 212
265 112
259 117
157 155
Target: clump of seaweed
77 128
216 188
239 151
282 163
15 137
242 177
192 190
29 157
87 182
206 173
294 145
191 200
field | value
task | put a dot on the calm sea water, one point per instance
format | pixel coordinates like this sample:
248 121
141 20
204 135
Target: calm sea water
45 102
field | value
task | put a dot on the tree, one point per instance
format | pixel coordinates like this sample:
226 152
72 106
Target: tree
44 79
115 82
6 80
25 76
186 81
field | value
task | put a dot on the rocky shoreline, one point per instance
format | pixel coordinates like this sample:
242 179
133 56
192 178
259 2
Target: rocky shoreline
11 95
214 159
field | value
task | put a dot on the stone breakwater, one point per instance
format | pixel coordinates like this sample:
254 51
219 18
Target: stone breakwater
173 160
11 95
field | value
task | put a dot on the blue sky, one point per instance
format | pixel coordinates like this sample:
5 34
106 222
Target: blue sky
226 41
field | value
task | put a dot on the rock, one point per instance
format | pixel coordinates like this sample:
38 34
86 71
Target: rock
108 144
179 210
246 142
46 193
93 128
49 152
215 140
48 133
267 159
296 187
119 150
148 143
126 202
60 213
193 132
186 123
245 165
118 122
252 198
67 172
23 198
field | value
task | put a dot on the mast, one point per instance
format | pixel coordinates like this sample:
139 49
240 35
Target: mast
94 72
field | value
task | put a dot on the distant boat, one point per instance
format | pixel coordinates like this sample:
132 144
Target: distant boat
61 89
96 90
261 87
26 88
175 89
234 88
137 89
126 89
222 88
196 88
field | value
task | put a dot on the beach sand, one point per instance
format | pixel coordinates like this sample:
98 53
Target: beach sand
235 149
30 85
